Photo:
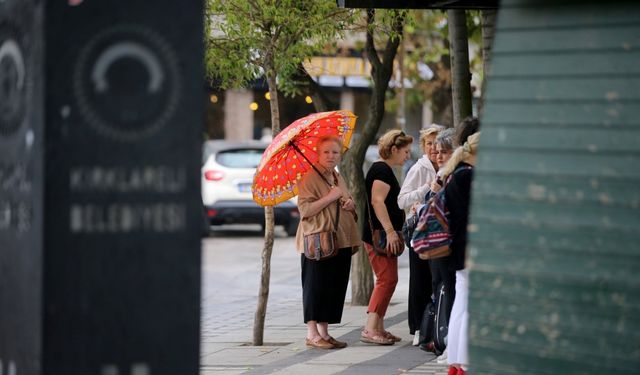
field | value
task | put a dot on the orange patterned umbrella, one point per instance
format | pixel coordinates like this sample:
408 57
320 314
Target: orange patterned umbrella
292 152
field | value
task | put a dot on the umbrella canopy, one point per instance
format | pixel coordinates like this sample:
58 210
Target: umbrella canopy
292 153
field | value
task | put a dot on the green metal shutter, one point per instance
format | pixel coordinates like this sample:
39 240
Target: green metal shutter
555 219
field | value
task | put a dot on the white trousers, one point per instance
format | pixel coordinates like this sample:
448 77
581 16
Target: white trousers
458 336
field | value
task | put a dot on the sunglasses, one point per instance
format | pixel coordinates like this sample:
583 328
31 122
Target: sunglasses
396 137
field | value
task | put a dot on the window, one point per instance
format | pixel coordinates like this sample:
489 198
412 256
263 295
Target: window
240 158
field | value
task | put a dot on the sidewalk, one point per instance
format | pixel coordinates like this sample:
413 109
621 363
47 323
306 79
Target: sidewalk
227 335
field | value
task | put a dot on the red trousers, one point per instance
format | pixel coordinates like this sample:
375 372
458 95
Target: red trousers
386 271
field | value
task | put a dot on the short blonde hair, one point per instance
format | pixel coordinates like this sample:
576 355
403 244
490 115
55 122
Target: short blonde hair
329 138
433 129
394 137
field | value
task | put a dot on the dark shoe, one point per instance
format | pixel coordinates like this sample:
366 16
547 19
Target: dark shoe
337 344
319 343
428 347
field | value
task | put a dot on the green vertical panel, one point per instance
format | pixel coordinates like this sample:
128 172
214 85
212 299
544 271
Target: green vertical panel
555 221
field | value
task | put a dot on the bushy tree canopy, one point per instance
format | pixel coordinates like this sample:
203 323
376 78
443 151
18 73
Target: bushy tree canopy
247 39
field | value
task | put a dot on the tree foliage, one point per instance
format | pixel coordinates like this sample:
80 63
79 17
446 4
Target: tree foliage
427 62
251 38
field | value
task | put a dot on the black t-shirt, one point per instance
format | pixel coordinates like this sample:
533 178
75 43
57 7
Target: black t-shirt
381 171
458 196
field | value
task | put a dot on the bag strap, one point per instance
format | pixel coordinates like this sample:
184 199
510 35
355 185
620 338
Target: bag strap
331 186
369 212
337 203
335 179
460 168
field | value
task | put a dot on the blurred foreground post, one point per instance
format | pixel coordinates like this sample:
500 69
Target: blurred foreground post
100 211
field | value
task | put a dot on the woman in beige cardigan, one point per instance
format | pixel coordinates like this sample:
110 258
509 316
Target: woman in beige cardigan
324 282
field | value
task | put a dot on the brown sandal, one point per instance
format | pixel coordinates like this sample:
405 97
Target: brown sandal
391 336
319 343
374 337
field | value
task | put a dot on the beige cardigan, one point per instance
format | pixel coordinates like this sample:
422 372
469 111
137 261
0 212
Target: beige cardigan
311 188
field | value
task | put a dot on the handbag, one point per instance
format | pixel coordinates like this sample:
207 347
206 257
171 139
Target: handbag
431 238
441 319
408 227
427 331
323 245
379 238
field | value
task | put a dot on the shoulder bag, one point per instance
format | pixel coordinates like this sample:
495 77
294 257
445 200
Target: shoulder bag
379 237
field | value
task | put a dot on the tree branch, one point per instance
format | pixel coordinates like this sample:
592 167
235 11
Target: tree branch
394 41
372 54
321 100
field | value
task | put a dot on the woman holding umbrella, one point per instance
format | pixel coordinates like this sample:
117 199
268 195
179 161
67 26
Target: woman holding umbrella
383 212
321 193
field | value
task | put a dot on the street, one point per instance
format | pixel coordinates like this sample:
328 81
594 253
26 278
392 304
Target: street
231 264
231 268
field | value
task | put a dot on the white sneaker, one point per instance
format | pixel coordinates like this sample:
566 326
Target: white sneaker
416 339
443 357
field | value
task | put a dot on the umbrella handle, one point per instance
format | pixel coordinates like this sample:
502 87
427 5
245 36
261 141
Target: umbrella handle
295 147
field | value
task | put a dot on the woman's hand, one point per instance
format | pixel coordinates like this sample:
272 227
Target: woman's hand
348 205
435 186
394 243
334 194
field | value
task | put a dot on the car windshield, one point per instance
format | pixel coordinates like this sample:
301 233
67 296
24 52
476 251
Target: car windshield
244 158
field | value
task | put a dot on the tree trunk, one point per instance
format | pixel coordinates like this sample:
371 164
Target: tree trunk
351 166
401 115
441 98
263 295
361 273
488 30
460 75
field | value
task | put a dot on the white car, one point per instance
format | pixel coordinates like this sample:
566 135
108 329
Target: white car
227 174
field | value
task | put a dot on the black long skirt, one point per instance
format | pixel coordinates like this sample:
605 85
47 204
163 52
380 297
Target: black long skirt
324 287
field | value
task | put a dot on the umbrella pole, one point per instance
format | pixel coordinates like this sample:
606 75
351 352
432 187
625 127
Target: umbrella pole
309 161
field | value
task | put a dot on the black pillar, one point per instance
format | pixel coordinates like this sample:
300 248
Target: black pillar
21 186
100 261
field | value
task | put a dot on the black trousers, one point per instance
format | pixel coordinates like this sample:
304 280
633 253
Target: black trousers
324 287
419 289
442 272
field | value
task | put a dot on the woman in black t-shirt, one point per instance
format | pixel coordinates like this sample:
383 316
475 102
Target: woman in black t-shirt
382 192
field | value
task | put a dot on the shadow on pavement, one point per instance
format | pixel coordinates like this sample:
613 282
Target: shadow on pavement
239 230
